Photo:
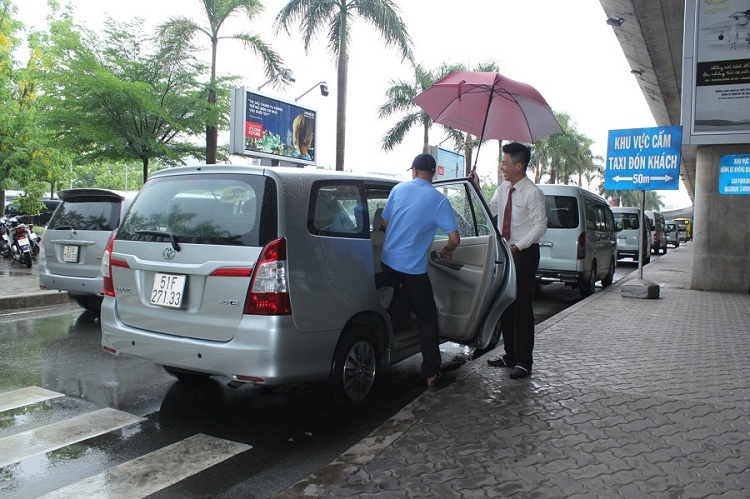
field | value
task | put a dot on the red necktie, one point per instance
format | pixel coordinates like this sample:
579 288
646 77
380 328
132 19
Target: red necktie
507 214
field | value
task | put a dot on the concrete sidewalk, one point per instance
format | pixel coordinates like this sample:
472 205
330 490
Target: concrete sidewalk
19 287
629 398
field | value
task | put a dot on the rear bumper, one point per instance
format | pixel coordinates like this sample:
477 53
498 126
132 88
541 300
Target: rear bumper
267 348
78 285
546 276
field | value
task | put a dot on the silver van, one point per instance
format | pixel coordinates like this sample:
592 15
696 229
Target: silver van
580 245
629 221
267 276
658 227
70 257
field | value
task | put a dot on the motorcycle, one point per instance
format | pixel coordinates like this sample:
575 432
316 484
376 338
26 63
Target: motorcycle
21 242
4 238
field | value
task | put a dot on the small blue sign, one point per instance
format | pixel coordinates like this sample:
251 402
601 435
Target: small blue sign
734 174
643 159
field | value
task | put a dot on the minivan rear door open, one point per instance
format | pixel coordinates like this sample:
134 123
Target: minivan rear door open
478 284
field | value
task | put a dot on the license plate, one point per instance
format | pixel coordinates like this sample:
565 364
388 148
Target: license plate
70 254
168 290
22 241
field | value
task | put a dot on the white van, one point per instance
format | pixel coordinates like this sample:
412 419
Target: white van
580 245
657 224
628 221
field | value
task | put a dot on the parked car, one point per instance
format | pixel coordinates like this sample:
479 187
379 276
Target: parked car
658 234
267 276
686 228
74 241
630 221
41 219
673 234
580 245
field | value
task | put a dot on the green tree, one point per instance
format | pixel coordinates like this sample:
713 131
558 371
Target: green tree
564 154
336 18
653 200
177 35
399 100
118 97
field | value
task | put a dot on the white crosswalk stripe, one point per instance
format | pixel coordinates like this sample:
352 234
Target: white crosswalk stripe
137 478
154 471
57 435
25 396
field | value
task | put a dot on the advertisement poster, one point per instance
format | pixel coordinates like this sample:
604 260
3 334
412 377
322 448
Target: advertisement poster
450 164
722 67
734 174
268 127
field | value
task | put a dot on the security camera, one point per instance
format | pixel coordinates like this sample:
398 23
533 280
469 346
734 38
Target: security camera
324 89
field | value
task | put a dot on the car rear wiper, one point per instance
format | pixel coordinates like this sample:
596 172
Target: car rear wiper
161 233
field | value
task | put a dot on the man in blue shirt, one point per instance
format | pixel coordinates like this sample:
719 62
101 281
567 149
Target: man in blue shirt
412 215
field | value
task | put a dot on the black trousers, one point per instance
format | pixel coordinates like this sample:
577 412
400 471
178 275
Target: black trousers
415 293
517 322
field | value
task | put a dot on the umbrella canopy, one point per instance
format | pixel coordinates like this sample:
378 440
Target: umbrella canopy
489 106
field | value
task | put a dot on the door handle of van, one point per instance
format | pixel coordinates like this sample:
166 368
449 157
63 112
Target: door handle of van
545 244
435 257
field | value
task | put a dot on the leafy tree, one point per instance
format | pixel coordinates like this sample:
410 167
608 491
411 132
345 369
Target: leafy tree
399 100
177 35
652 201
564 154
118 97
336 18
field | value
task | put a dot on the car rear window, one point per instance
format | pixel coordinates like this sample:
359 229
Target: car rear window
629 221
225 209
87 213
562 212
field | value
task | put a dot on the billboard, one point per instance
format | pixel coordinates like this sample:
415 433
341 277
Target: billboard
716 72
262 126
450 164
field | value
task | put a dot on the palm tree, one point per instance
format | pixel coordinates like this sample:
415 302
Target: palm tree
564 154
178 33
335 17
400 95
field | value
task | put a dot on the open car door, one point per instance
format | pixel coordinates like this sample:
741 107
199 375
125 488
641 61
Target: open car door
479 283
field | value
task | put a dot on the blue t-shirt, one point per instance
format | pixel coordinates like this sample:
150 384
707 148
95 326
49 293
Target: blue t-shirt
414 211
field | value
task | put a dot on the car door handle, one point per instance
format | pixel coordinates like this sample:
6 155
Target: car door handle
436 259
546 244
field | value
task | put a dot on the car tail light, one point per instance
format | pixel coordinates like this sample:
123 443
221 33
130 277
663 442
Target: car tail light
581 251
107 263
268 293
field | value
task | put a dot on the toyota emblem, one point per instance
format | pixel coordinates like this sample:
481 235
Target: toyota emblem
168 253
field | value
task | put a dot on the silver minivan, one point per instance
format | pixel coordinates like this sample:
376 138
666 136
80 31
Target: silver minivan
658 227
73 243
580 245
629 222
267 276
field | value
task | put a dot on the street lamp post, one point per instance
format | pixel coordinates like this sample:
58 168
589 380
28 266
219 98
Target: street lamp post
284 73
323 90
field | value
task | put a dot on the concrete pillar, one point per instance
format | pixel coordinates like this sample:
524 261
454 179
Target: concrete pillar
721 237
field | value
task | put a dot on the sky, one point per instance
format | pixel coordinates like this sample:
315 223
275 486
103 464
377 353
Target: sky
564 49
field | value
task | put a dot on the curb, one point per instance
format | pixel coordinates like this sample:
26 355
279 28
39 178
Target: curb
41 299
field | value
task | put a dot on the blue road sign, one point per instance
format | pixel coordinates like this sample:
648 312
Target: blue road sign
643 159
734 174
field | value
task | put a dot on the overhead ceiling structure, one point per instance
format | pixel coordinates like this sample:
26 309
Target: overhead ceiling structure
650 33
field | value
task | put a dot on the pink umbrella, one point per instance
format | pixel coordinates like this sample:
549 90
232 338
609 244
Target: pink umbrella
489 106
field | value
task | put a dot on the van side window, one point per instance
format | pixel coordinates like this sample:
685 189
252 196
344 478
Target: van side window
470 218
338 209
593 218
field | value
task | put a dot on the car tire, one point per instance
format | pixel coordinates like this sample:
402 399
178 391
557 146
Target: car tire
355 370
588 288
647 257
664 251
610 277
92 303
184 375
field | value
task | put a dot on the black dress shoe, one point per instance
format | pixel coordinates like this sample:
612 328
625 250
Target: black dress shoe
501 362
519 372
437 382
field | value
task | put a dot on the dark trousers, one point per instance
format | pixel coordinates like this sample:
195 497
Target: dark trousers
415 293
517 322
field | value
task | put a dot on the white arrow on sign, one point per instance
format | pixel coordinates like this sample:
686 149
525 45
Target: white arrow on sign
618 178
665 178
